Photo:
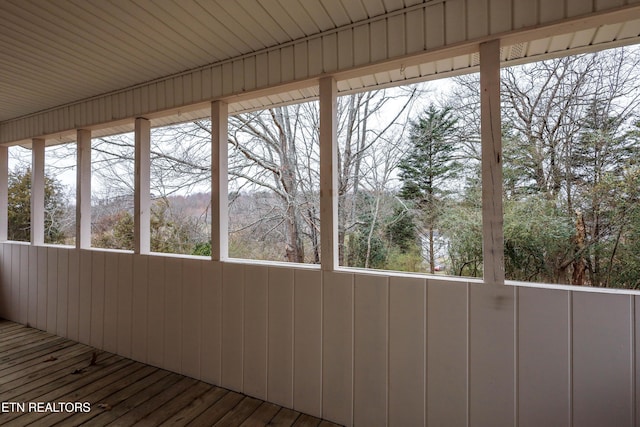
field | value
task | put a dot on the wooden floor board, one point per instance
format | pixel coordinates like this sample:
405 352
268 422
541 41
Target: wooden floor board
39 367
131 403
16 353
122 400
261 416
53 350
43 365
240 412
284 418
196 407
216 411
96 391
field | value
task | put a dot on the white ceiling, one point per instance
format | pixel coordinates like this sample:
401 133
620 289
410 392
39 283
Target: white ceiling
57 52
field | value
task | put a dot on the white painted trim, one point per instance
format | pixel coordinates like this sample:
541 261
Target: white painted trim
4 193
492 219
328 174
83 189
219 181
142 196
37 192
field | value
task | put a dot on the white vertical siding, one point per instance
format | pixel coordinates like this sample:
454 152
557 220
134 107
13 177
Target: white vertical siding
491 364
32 310
500 16
96 273
156 312
211 337
543 356
139 308
41 266
337 347
73 295
307 339
52 289
356 348
125 304
173 314
407 351
191 317
280 336
111 302
602 360
447 358
24 284
63 291
256 287
371 302
232 326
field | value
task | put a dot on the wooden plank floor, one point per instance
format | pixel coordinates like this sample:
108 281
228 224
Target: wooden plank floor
37 368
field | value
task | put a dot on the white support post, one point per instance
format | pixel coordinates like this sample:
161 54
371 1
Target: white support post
142 196
328 174
83 189
219 181
37 192
492 219
4 193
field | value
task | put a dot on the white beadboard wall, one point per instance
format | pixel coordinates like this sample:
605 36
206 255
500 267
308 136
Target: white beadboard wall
355 348
415 30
